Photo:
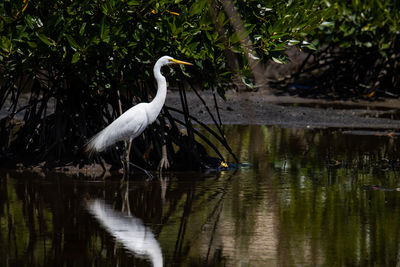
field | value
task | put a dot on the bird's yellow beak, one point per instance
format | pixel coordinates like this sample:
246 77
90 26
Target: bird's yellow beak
181 62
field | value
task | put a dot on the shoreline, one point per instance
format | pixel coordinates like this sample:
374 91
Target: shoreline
359 117
286 111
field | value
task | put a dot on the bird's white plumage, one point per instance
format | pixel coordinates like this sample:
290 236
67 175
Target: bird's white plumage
135 120
128 230
126 127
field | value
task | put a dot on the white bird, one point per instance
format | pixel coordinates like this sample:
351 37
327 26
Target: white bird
129 231
135 120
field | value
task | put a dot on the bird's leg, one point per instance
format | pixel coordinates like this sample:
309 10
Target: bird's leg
164 163
122 158
164 186
128 146
125 200
125 158
127 163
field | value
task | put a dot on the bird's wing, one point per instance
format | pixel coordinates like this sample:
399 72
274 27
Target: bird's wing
126 127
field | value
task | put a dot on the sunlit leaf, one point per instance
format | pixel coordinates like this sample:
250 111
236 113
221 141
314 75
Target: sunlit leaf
247 82
45 39
277 60
75 57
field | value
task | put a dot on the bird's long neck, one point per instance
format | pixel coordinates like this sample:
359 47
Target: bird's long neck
159 100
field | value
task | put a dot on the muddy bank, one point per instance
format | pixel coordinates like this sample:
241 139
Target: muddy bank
286 111
354 117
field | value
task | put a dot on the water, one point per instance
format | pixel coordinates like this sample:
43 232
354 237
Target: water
307 199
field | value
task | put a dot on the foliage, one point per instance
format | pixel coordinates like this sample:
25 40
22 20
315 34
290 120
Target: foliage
84 57
359 50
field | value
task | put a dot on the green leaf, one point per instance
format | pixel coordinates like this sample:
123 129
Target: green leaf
82 29
277 60
293 42
74 45
327 24
102 26
133 3
45 39
32 44
5 43
75 57
104 30
247 82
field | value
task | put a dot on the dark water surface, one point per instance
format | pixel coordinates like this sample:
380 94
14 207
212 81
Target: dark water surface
307 199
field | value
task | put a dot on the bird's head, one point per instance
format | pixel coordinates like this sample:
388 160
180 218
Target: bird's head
167 60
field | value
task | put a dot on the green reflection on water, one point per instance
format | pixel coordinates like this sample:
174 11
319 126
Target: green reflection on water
302 202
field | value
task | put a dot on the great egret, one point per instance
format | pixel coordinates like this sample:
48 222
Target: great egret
128 230
135 120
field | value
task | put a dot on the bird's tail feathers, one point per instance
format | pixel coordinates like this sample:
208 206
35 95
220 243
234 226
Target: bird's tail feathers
92 146
100 142
89 149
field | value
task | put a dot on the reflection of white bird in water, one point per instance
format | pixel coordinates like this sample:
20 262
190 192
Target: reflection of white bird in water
128 230
135 120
